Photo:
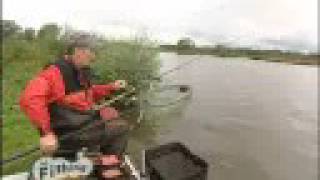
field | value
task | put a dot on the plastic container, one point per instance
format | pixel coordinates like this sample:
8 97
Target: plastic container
174 161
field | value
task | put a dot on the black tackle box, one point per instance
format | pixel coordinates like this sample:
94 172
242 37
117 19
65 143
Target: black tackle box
174 161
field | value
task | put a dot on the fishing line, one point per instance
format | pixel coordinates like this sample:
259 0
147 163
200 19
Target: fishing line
36 148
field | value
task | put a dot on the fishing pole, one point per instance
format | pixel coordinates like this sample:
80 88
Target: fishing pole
96 107
63 137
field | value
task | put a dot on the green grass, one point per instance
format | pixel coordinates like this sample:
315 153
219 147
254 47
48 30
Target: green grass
18 134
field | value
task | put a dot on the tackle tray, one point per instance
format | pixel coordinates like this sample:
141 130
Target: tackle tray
174 161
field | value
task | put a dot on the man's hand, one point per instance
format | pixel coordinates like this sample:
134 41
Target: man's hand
120 84
108 113
48 144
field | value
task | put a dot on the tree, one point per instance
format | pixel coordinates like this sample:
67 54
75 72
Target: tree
29 34
220 47
49 31
10 28
185 43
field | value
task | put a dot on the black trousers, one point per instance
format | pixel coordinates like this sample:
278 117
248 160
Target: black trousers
110 137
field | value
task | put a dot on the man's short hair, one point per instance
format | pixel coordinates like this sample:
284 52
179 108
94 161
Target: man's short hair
78 41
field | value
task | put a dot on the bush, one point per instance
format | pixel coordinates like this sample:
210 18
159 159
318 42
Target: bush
134 61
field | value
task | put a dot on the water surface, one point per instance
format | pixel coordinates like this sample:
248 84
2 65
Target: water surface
251 120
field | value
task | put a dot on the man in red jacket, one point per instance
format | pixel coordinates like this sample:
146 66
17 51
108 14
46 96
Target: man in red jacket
59 101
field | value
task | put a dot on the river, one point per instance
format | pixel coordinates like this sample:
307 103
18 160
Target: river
250 120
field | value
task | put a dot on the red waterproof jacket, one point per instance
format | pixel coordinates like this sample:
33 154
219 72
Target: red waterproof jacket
48 87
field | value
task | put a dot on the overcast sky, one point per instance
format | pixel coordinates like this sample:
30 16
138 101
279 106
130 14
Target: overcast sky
284 24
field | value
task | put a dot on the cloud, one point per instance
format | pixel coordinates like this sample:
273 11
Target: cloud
287 24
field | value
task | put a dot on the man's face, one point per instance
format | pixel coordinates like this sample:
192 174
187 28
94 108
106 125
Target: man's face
83 57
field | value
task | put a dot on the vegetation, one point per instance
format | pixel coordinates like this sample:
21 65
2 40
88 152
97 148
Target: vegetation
185 44
27 51
224 51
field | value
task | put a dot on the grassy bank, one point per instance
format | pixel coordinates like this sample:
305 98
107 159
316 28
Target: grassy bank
268 55
24 57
